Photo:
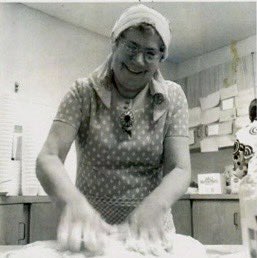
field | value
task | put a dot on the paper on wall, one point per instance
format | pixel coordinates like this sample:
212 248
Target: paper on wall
213 129
242 121
243 110
246 92
227 104
210 116
191 137
212 100
225 140
227 115
209 145
225 128
244 97
229 92
243 101
194 117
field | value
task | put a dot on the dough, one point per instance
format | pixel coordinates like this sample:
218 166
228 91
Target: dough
183 247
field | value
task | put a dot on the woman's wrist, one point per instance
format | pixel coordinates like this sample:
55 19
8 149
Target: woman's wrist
159 201
74 197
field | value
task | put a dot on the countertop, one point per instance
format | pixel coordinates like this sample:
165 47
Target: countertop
213 251
42 199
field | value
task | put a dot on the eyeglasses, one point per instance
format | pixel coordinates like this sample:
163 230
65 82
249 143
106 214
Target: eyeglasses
132 49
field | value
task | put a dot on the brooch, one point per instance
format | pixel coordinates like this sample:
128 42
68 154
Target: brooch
127 121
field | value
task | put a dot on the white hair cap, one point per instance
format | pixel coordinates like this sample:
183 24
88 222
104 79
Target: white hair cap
142 14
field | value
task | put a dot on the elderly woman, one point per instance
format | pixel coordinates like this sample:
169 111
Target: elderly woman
131 132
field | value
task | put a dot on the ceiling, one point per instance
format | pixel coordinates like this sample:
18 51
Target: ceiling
197 27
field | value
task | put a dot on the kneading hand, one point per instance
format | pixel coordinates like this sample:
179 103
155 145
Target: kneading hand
82 229
144 230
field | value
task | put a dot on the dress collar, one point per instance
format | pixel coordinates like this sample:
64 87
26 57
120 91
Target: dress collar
101 81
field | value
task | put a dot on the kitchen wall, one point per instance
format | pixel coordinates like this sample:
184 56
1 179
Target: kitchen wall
213 162
44 54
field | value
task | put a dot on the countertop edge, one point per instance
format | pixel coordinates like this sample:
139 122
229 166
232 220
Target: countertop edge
46 199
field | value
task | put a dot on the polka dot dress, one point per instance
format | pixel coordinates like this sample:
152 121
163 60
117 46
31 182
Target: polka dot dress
117 169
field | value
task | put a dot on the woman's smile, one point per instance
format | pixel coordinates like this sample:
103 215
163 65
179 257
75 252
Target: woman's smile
132 70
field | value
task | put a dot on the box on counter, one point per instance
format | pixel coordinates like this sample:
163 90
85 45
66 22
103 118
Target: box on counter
211 183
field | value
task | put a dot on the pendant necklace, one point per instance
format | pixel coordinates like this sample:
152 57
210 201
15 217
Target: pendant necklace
127 121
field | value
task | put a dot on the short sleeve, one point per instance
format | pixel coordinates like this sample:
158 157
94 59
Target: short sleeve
72 108
177 118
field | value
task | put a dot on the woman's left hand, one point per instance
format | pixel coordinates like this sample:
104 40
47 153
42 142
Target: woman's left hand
144 230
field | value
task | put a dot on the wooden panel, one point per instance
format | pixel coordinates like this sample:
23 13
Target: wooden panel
217 222
181 211
13 224
43 221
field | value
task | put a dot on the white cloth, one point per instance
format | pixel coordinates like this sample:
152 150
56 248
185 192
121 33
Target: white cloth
142 14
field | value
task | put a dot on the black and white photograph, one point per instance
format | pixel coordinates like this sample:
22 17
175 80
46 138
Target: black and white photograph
128 129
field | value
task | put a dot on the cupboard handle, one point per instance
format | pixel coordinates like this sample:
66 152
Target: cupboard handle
236 219
22 227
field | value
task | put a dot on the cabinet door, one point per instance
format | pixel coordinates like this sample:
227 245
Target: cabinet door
181 212
44 219
13 224
217 222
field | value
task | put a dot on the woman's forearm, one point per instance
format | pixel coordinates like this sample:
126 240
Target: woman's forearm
55 180
172 187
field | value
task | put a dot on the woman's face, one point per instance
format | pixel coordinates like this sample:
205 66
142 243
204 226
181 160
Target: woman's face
136 57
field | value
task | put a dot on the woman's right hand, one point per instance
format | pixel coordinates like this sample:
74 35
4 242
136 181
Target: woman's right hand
81 228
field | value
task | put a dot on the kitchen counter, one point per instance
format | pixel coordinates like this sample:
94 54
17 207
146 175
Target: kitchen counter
213 251
42 199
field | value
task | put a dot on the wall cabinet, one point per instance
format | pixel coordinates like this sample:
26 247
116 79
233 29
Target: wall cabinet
181 212
14 224
216 221
44 219
206 218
